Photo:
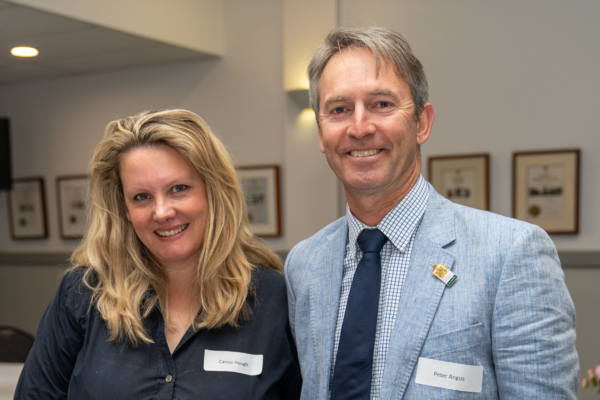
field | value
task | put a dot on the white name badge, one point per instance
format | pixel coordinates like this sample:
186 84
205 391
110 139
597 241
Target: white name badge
231 361
447 375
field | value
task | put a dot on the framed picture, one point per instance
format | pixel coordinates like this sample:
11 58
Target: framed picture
261 188
462 179
72 196
27 209
546 189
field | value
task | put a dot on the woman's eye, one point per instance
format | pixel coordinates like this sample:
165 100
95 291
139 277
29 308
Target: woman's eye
141 196
179 188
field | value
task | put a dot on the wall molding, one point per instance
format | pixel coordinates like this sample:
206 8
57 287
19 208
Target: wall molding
579 259
569 259
55 259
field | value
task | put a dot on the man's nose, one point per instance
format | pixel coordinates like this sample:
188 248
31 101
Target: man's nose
361 123
163 210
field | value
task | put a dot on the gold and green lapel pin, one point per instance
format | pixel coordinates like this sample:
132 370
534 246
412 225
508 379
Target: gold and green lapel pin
444 274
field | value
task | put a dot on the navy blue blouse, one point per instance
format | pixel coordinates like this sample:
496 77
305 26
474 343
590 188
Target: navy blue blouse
73 359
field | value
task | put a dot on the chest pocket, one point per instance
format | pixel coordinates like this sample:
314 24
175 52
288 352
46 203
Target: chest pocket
462 346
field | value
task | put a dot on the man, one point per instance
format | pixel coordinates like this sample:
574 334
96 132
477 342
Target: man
494 321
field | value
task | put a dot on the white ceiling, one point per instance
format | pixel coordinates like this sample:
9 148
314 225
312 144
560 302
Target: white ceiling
69 47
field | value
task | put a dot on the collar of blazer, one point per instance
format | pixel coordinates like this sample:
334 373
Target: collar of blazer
421 294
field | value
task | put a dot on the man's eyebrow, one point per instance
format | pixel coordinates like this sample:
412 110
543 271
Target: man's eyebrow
335 100
383 92
376 92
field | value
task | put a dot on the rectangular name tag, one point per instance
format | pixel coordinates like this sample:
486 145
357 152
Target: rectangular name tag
447 375
231 361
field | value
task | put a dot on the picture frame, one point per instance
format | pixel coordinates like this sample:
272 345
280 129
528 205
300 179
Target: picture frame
546 189
261 188
463 178
72 199
27 209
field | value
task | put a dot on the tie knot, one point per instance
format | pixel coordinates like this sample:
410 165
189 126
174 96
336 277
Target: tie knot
371 240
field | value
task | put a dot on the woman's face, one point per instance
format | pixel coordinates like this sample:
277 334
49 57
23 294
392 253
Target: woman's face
165 200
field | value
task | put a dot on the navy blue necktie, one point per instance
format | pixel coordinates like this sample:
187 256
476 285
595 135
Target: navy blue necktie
354 361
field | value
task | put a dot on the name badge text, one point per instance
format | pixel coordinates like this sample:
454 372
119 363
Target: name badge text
231 361
447 375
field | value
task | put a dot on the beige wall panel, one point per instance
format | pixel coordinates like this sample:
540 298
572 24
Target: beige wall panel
305 25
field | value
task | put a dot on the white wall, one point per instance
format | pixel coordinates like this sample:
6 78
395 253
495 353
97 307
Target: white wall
25 292
311 202
506 76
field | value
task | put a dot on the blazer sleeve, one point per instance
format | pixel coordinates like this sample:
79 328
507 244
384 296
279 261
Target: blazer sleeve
290 293
47 371
533 326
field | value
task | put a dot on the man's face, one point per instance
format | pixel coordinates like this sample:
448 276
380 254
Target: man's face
367 126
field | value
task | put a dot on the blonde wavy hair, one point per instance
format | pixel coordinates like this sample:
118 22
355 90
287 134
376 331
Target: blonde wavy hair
125 280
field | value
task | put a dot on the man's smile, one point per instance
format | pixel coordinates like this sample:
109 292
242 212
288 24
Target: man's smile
364 153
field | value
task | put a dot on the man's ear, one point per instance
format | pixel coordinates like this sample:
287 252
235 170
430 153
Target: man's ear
321 145
425 123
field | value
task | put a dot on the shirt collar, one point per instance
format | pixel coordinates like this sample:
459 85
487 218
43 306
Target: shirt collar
400 223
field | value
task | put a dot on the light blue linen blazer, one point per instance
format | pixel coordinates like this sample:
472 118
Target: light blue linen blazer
509 310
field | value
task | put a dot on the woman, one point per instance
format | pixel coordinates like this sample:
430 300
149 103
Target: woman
171 296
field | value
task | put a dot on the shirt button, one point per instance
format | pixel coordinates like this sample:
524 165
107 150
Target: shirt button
169 378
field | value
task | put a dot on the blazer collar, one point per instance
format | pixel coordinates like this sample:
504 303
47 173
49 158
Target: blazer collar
438 222
326 282
421 294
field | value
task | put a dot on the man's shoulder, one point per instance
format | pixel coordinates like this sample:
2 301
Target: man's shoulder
472 217
445 222
325 242
335 229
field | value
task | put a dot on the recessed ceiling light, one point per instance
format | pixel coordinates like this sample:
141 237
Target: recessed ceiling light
24 51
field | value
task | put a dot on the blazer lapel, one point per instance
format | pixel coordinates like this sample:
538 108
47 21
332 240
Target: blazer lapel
420 297
326 282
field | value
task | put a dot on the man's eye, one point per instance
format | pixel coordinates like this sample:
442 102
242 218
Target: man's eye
179 188
339 110
141 196
383 104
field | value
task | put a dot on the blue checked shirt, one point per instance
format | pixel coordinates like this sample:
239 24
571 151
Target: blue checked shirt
400 226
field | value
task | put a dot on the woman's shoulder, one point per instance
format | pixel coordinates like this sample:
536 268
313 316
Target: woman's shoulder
268 277
268 283
74 292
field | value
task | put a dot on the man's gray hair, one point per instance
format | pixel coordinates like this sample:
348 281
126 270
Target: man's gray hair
386 45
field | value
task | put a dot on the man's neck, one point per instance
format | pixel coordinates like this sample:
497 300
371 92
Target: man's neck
371 209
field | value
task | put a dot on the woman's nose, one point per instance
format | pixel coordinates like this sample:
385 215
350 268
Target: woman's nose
163 210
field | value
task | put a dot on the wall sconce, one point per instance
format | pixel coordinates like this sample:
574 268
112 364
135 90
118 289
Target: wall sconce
300 97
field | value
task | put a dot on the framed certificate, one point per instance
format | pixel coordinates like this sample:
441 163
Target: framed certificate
546 189
261 188
463 179
72 197
27 209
